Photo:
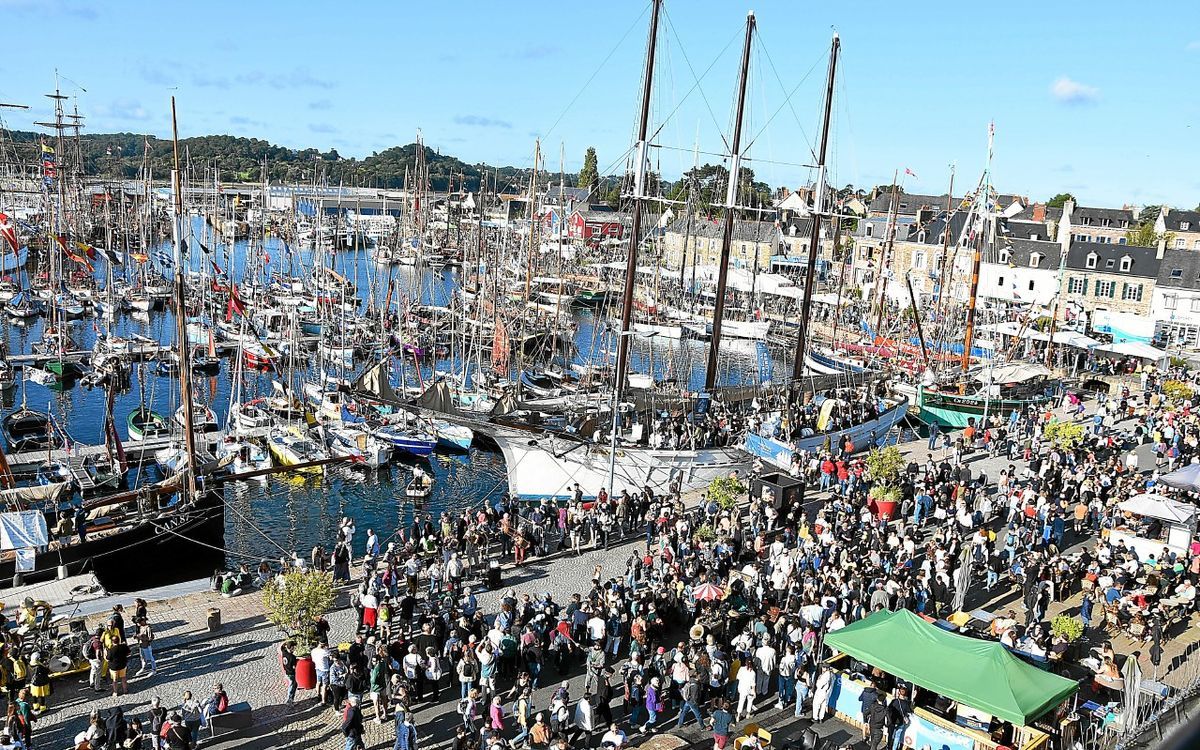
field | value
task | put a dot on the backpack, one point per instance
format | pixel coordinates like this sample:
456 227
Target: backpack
222 704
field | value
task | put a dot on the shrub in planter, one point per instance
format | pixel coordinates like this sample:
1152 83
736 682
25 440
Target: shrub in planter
727 492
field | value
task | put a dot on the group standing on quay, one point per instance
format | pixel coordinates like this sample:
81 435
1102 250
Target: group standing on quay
720 613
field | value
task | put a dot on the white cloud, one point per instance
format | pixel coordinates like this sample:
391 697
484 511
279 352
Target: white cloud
1069 91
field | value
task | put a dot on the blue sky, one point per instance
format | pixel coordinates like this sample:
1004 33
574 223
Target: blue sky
1098 101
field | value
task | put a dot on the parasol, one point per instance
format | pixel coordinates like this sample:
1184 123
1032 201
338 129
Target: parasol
707 592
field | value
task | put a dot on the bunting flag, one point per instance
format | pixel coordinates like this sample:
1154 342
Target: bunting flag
139 257
112 256
49 165
164 258
910 173
9 233
86 249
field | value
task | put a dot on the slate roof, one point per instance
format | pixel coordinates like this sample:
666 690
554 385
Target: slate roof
1175 217
743 231
1052 214
1020 250
1187 262
556 194
1024 229
1115 215
1144 260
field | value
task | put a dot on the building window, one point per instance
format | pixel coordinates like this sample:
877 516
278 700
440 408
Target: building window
1131 292
1105 222
1091 260
1035 259
1196 245
1004 255
869 228
1000 282
1109 263
1076 285
1106 288
1169 301
1033 235
1180 243
1184 226
1196 304
1031 285
1121 241
1126 264
1176 273
919 261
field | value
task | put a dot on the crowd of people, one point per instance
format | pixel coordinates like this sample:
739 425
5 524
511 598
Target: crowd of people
720 613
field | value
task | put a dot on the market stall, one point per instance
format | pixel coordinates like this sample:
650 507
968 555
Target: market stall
968 693
1148 523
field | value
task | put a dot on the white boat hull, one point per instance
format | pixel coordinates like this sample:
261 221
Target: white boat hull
550 467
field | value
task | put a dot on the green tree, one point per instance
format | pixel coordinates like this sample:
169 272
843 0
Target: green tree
1143 235
294 602
1059 200
589 175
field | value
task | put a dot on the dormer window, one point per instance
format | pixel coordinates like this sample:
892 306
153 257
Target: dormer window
1004 255
1091 260
1126 264
1176 273
1184 226
1033 235
921 236
1035 260
1109 263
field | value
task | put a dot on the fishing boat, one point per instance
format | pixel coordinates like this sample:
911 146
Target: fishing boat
23 306
412 440
146 424
453 437
27 430
204 419
997 390
244 456
358 445
292 449
420 486
251 415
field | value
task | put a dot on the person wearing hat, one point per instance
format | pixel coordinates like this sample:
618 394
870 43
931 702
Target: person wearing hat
39 683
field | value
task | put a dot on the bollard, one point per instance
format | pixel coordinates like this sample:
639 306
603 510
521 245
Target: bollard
62 572
214 619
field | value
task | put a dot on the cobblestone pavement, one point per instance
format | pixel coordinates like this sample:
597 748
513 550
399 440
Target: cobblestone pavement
242 657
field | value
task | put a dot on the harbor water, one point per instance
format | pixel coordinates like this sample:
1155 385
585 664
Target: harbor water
288 513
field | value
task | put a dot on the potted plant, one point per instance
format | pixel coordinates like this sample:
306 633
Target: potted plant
884 466
292 603
1068 628
727 492
1064 435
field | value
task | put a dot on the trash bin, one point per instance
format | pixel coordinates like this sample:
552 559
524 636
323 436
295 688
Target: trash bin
493 576
214 619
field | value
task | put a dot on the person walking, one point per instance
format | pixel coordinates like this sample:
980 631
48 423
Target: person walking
690 693
406 732
352 725
144 637
287 662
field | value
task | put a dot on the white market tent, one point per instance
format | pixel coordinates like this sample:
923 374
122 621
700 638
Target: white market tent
1178 520
1134 349
1151 505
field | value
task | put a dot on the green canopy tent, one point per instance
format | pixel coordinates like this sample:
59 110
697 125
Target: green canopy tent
979 674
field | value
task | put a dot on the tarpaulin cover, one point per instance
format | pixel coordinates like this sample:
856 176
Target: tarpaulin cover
979 674
24 529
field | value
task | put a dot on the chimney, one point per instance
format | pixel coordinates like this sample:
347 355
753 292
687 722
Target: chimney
1039 212
1160 226
1064 228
